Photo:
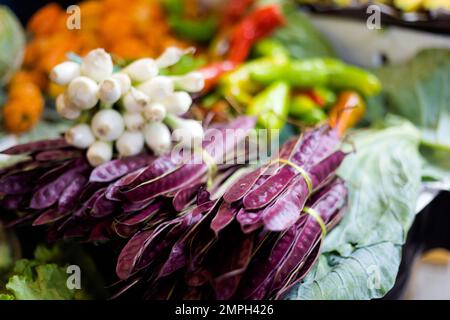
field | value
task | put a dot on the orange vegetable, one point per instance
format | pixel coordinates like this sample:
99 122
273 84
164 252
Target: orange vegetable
130 48
24 107
26 78
20 77
61 45
44 21
115 26
91 12
347 111
129 29
26 89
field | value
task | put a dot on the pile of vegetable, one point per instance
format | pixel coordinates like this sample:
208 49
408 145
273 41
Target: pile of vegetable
310 222
143 32
257 240
76 200
263 86
109 109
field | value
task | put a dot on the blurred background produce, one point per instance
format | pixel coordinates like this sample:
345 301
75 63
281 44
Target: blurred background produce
404 5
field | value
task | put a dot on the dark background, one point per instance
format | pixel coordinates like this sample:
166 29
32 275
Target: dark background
24 9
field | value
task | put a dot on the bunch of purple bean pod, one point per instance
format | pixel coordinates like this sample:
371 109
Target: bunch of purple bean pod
254 242
56 187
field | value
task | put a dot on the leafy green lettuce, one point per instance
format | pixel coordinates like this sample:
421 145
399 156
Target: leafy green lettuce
45 277
33 281
361 256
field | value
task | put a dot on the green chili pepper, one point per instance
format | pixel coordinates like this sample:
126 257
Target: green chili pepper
238 83
198 30
344 76
304 73
271 48
305 109
319 72
271 106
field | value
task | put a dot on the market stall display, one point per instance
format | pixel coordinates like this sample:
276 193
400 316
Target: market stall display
308 221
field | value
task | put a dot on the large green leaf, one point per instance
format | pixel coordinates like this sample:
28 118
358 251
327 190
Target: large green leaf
383 177
419 90
369 272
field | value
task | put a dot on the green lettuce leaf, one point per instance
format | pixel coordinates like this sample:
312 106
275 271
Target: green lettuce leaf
41 282
45 277
6 296
361 256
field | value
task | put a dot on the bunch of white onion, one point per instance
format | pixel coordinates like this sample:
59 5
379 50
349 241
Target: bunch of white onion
127 108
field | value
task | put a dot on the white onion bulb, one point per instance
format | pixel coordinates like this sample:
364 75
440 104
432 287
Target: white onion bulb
107 124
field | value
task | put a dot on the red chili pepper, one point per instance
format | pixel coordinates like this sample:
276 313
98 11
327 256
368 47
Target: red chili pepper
315 97
235 9
255 26
213 71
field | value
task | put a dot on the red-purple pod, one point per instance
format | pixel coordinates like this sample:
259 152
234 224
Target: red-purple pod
19 183
50 216
47 195
249 220
166 183
162 165
125 227
37 146
299 274
320 143
131 253
56 170
115 169
57 155
178 256
162 241
330 202
311 148
92 197
183 197
132 207
286 209
131 218
113 190
223 217
255 178
103 207
258 276
69 197
240 188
